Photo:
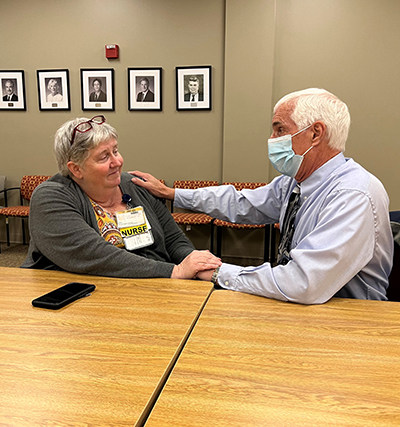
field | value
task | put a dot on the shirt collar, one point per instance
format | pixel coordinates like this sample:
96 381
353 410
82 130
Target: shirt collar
309 185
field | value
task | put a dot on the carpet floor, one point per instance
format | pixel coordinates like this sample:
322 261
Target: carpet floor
13 255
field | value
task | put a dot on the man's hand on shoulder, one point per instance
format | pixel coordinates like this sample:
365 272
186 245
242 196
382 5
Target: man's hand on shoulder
153 185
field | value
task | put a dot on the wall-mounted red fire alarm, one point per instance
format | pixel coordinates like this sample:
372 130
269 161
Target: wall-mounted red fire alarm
112 51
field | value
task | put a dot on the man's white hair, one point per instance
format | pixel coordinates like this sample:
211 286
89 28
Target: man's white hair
311 105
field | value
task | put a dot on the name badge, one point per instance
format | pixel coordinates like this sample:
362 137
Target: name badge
135 228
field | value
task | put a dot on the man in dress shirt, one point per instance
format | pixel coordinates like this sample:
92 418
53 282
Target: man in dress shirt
342 243
194 86
9 92
146 95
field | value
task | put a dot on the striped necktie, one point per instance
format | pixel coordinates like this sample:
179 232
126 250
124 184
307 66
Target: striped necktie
287 230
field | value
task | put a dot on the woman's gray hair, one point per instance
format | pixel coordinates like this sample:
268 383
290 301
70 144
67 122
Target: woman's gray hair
311 105
78 152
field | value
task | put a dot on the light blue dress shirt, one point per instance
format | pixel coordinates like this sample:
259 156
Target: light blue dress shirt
342 245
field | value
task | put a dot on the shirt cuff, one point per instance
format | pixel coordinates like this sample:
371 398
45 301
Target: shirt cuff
227 276
183 198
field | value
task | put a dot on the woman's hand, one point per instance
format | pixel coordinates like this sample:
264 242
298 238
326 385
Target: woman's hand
205 275
153 185
194 263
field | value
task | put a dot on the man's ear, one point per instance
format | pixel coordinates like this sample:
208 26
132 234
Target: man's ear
319 132
75 170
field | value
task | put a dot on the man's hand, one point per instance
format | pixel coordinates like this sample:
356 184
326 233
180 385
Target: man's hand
195 263
153 185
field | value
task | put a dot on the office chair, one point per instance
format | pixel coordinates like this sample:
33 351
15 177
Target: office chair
269 249
2 187
189 219
28 184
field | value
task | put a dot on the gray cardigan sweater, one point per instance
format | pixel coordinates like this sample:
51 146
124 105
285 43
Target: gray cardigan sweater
65 236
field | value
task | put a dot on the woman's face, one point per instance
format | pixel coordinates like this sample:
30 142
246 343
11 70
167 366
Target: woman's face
103 167
53 87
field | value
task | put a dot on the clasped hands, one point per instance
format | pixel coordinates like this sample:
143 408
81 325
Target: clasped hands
197 265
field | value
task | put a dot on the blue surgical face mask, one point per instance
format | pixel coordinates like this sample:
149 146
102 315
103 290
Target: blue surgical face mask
282 156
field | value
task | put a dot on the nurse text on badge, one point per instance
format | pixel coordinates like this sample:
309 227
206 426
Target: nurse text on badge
135 229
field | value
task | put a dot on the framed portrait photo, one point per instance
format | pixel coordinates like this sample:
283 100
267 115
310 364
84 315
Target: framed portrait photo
144 88
12 90
97 89
53 89
193 88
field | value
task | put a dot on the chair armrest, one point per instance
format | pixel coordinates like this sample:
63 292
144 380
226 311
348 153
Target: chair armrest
5 191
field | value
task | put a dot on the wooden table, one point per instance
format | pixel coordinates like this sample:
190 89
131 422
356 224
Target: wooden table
252 361
100 361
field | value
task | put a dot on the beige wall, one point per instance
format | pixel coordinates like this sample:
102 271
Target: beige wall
249 59
259 51
156 33
352 48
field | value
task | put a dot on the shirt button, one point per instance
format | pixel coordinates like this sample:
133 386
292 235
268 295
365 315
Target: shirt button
226 282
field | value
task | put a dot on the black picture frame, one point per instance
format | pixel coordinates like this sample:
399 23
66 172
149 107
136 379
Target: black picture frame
190 78
98 81
12 83
53 90
145 82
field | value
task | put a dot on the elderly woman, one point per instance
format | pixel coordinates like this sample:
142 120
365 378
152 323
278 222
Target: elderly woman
54 91
90 218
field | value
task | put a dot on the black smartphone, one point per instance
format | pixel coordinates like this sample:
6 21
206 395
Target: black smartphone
65 295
